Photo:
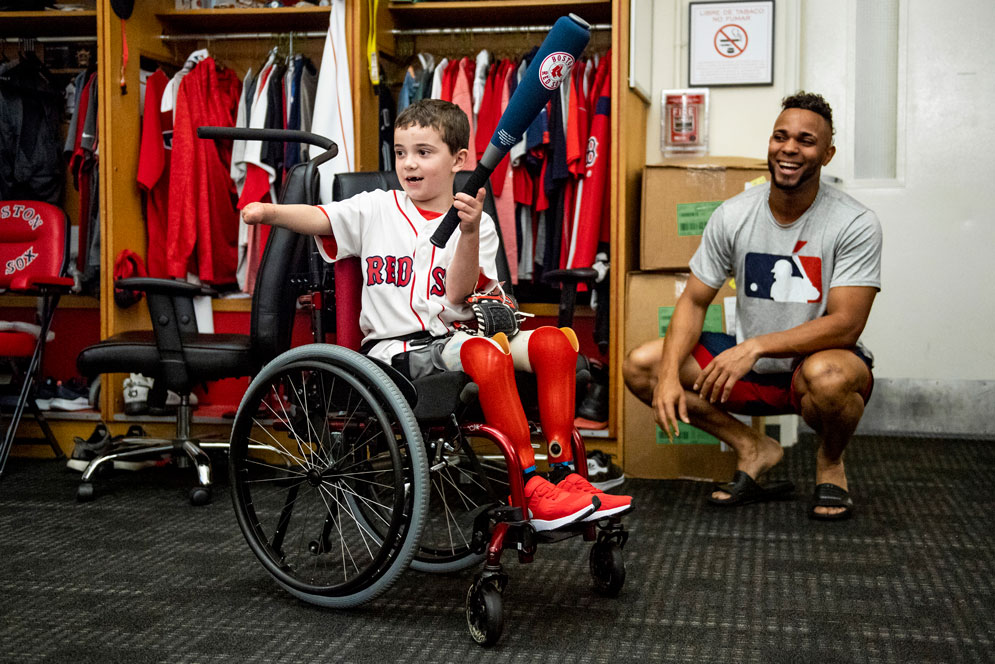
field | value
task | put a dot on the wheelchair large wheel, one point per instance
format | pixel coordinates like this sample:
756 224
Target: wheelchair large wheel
466 478
329 477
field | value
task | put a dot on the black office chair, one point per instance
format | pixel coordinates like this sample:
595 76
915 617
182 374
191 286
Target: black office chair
175 353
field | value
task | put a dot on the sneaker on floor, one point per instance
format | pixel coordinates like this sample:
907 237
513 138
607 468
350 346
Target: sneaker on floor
611 505
47 391
71 395
602 473
550 507
85 451
139 462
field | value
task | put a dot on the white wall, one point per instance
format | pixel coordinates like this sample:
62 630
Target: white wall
741 117
934 317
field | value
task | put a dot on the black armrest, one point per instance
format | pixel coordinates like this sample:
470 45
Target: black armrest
572 276
568 279
171 287
171 308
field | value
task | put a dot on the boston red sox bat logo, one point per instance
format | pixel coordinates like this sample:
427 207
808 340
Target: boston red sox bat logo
554 68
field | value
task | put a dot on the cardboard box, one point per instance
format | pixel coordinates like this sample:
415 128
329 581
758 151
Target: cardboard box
650 298
679 195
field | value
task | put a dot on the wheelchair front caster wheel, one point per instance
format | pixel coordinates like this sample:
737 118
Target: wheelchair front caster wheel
607 568
200 495
84 492
484 614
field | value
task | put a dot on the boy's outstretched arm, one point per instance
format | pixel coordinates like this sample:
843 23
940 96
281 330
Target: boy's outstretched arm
304 219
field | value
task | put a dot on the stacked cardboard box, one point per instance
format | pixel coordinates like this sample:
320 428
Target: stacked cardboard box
650 298
679 195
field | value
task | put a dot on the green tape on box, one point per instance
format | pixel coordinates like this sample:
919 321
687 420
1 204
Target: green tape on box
692 217
713 318
689 436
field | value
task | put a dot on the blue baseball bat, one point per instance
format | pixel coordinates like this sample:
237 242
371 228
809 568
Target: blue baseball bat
552 63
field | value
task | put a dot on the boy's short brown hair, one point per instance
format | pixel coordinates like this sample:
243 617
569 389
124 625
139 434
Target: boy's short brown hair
444 116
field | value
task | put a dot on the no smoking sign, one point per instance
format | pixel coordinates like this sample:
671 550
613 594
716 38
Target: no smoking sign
730 41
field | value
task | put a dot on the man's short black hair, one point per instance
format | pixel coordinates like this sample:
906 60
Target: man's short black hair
809 101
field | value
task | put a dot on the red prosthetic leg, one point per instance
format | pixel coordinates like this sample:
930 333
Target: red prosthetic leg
488 362
553 356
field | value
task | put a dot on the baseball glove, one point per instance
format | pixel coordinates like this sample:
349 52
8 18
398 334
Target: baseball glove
495 312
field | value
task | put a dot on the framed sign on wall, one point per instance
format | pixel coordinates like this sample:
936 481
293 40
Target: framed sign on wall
731 43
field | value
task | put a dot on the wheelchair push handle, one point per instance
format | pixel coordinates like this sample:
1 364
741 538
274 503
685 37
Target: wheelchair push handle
275 135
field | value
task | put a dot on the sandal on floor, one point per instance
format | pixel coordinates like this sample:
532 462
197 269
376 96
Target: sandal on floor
830 495
744 490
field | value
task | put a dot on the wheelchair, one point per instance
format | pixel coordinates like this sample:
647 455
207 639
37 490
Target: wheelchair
344 473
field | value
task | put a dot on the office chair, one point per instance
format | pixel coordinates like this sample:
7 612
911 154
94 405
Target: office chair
173 352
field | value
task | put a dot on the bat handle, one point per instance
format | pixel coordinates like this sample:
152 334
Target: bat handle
449 223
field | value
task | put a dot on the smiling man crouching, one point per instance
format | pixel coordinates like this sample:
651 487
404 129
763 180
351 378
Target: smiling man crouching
806 259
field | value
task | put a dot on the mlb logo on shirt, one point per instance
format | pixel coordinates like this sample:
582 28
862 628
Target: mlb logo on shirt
784 278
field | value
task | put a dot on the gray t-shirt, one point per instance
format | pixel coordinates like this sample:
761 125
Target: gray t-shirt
783 273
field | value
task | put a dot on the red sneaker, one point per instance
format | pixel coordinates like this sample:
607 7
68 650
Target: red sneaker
611 505
551 507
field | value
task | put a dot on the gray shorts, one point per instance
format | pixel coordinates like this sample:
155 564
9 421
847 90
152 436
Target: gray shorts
432 356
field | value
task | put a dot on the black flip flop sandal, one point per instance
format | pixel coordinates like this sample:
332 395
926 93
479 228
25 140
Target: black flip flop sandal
830 495
744 490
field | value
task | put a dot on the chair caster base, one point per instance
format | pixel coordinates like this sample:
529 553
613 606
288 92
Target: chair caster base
200 495
84 492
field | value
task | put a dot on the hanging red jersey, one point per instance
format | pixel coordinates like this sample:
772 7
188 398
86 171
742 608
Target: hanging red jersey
587 228
202 230
153 174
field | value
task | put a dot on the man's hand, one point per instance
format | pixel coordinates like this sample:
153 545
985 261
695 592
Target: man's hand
470 209
715 382
254 213
669 404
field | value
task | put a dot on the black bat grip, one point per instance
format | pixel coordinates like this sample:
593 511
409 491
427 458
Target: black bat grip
449 223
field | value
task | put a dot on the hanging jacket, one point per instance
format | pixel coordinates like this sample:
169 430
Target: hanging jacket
31 164
202 230
153 174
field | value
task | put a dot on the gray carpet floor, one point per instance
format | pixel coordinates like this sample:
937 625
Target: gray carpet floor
139 575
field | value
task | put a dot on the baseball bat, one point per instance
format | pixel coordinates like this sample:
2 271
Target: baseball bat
551 64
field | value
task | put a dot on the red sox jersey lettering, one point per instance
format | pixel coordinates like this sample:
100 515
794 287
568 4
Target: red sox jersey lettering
393 270
404 274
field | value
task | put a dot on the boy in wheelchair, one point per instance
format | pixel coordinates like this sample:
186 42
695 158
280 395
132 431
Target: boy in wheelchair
417 299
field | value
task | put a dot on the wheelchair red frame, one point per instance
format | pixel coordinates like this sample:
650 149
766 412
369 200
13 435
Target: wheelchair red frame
308 466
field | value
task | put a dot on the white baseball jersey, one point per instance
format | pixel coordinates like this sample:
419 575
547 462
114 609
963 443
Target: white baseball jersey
404 274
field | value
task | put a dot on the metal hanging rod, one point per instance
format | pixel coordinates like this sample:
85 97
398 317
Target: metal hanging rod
42 40
239 35
485 30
